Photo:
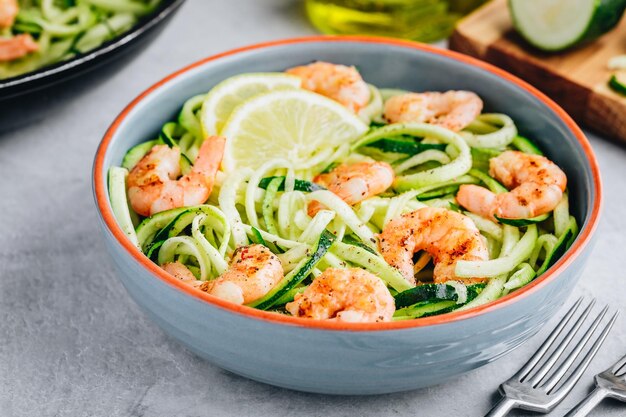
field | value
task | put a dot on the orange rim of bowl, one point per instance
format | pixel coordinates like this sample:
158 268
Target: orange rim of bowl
581 242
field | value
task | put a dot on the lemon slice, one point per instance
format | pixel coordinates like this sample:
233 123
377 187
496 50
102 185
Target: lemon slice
224 97
302 127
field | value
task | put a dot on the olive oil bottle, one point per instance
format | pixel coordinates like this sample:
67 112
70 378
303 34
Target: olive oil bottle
422 20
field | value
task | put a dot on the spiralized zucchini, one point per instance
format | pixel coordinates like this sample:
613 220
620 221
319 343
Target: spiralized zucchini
460 162
491 130
269 205
65 28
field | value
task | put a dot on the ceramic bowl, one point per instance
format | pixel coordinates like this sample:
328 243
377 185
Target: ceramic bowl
348 358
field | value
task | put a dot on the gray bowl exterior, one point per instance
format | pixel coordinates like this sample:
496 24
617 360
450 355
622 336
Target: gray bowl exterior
354 362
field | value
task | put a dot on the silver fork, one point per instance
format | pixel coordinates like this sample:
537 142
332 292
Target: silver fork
534 387
610 383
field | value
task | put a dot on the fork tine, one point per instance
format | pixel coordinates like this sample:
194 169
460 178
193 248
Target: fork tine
569 383
532 362
573 356
615 369
563 344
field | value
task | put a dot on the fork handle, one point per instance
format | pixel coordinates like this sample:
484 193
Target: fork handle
585 406
502 408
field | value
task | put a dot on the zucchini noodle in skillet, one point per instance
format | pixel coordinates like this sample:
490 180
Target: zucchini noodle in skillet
314 194
38 33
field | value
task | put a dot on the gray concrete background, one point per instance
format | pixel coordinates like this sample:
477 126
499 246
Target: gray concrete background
72 343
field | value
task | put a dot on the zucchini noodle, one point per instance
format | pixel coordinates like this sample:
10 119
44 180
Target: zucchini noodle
420 158
345 213
492 130
270 206
374 107
65 29
253 183
521 277
494 267
460 165
486 226
185 245
494 288
119 203
227 201
373 263
215 256
561 216
545 242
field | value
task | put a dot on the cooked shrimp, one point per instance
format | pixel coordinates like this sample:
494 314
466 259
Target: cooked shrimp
339 82
253 272
446 235
453 110
17 47
153 185
355 183
8 11
349 295
536 183
181 272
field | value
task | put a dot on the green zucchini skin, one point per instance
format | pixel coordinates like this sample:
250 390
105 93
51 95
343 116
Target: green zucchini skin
419 302
426 292
404 146
257 238
169 132
159 227
494 185
300 185
522 222
137 152
526 145
440 192
184 219
455 207
330 167
481 157
152 251
351 240
427 308
564 242
172 228
616 85
151 226
296 276
606 16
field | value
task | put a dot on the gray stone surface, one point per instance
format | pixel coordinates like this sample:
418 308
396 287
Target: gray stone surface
72 343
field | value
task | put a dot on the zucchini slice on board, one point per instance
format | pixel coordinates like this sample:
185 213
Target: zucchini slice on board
554 25
618 83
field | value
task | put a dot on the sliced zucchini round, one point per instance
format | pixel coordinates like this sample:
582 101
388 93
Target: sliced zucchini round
554 25
618 83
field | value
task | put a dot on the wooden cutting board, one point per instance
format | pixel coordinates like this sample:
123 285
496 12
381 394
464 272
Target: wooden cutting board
576 79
